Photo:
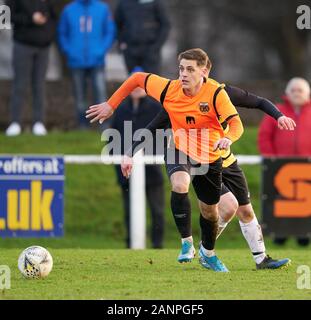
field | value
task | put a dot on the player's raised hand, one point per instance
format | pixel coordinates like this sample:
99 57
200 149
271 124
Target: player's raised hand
286 123
99 112
126 166
222 144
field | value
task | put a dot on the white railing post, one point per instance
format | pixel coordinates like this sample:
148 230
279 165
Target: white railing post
138 203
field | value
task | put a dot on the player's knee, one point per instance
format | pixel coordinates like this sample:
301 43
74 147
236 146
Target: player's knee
180 183
245 213
209 212
180 186
228 207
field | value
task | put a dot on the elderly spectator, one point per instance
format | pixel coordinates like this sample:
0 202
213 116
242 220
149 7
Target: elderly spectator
34 30
143 27
86 32
275 142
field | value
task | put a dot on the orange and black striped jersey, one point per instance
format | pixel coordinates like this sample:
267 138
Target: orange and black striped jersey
239 97
196 122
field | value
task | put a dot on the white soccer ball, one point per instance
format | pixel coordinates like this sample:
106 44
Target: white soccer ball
35 262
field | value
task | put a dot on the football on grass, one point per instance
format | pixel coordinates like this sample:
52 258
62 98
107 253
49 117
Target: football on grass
35 262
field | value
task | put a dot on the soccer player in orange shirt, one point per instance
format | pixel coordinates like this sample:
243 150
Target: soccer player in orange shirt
197 124
235 196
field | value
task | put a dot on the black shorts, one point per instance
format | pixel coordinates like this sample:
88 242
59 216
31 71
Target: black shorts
234 181
206 179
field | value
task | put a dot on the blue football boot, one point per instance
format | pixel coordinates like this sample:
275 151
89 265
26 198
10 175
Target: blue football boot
212 263
187 253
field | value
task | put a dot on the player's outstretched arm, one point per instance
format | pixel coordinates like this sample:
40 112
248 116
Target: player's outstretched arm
286 123
244 99
99 112
103 111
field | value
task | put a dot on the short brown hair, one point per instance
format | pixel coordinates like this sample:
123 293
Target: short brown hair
197 54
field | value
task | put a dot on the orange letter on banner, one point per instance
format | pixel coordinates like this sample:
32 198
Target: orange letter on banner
292 182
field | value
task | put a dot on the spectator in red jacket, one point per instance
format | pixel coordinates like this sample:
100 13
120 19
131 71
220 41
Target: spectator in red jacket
275 142
296 105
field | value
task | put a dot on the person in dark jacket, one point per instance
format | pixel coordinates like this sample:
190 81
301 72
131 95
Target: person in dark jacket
143 27
141 109
86 32
34 30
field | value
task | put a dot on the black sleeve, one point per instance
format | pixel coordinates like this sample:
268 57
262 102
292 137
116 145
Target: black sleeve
20 18
53 12
162 16
161 121
118 17
244 99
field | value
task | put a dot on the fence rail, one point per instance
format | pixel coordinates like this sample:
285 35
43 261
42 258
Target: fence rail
106 159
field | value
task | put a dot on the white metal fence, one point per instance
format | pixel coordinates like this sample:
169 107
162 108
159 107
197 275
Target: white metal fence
137 189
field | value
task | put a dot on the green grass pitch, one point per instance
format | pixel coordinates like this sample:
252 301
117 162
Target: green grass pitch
154 274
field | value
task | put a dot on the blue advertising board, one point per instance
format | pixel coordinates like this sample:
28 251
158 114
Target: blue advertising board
31 196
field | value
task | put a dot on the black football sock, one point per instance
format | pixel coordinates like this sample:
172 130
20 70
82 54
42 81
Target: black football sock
181 208
209 230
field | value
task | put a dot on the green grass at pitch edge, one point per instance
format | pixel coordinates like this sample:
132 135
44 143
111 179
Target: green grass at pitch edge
56 142
154 274
89 142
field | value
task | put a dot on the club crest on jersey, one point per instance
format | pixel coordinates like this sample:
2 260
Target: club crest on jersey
204 108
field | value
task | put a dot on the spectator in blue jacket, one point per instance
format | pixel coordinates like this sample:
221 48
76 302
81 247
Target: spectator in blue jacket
86 32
